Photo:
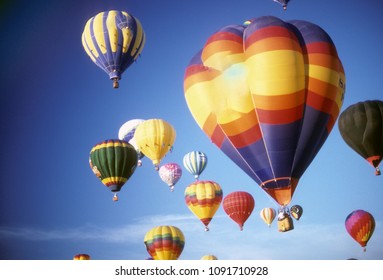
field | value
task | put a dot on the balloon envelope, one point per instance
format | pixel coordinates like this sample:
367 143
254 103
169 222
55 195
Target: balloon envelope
361 127
296 212
238 206
113 161
360 225
155 138
195 162
267 94
268 215
164 242
126 133
203 199
81 257
113 40
170 173
209 257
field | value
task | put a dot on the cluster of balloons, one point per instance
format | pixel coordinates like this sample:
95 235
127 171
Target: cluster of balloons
267 93
114 161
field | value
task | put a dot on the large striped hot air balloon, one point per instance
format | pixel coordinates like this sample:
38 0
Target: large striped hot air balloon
361 126
238 206
267 93
155 138
164 242
113 40
203 199
360 225
113 161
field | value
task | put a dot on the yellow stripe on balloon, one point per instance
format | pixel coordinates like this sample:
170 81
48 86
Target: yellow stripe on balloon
112 30
111 180
87 42
99 32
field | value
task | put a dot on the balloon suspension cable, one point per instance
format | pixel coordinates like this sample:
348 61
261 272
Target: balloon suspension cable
377 171
115 197
115 83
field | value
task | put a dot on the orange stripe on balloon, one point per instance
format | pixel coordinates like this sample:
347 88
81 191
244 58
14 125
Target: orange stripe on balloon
272 44
279 102
197 74
221 46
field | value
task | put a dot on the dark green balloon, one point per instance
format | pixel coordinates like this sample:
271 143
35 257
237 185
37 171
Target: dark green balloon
113 162
361 127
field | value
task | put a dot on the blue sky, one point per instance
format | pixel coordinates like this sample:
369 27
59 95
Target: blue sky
56 104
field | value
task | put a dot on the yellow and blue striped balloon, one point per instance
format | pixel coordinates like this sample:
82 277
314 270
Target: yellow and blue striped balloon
113 40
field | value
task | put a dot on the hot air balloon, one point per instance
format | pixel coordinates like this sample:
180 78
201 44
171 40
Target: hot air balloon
361 127
296 211
113 40
283 3
126 133
170 173
267 94
195 162
238 206
164 242
268 215
203 198
81 257
113 162
155 138
209 258
360 225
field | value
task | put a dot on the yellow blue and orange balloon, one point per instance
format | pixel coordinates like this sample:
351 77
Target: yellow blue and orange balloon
113 40
268 215
113 161
203 199
360 225
195 162
361 126
155 138
126 133
164 242
81 257
267 93
170 173
239 205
